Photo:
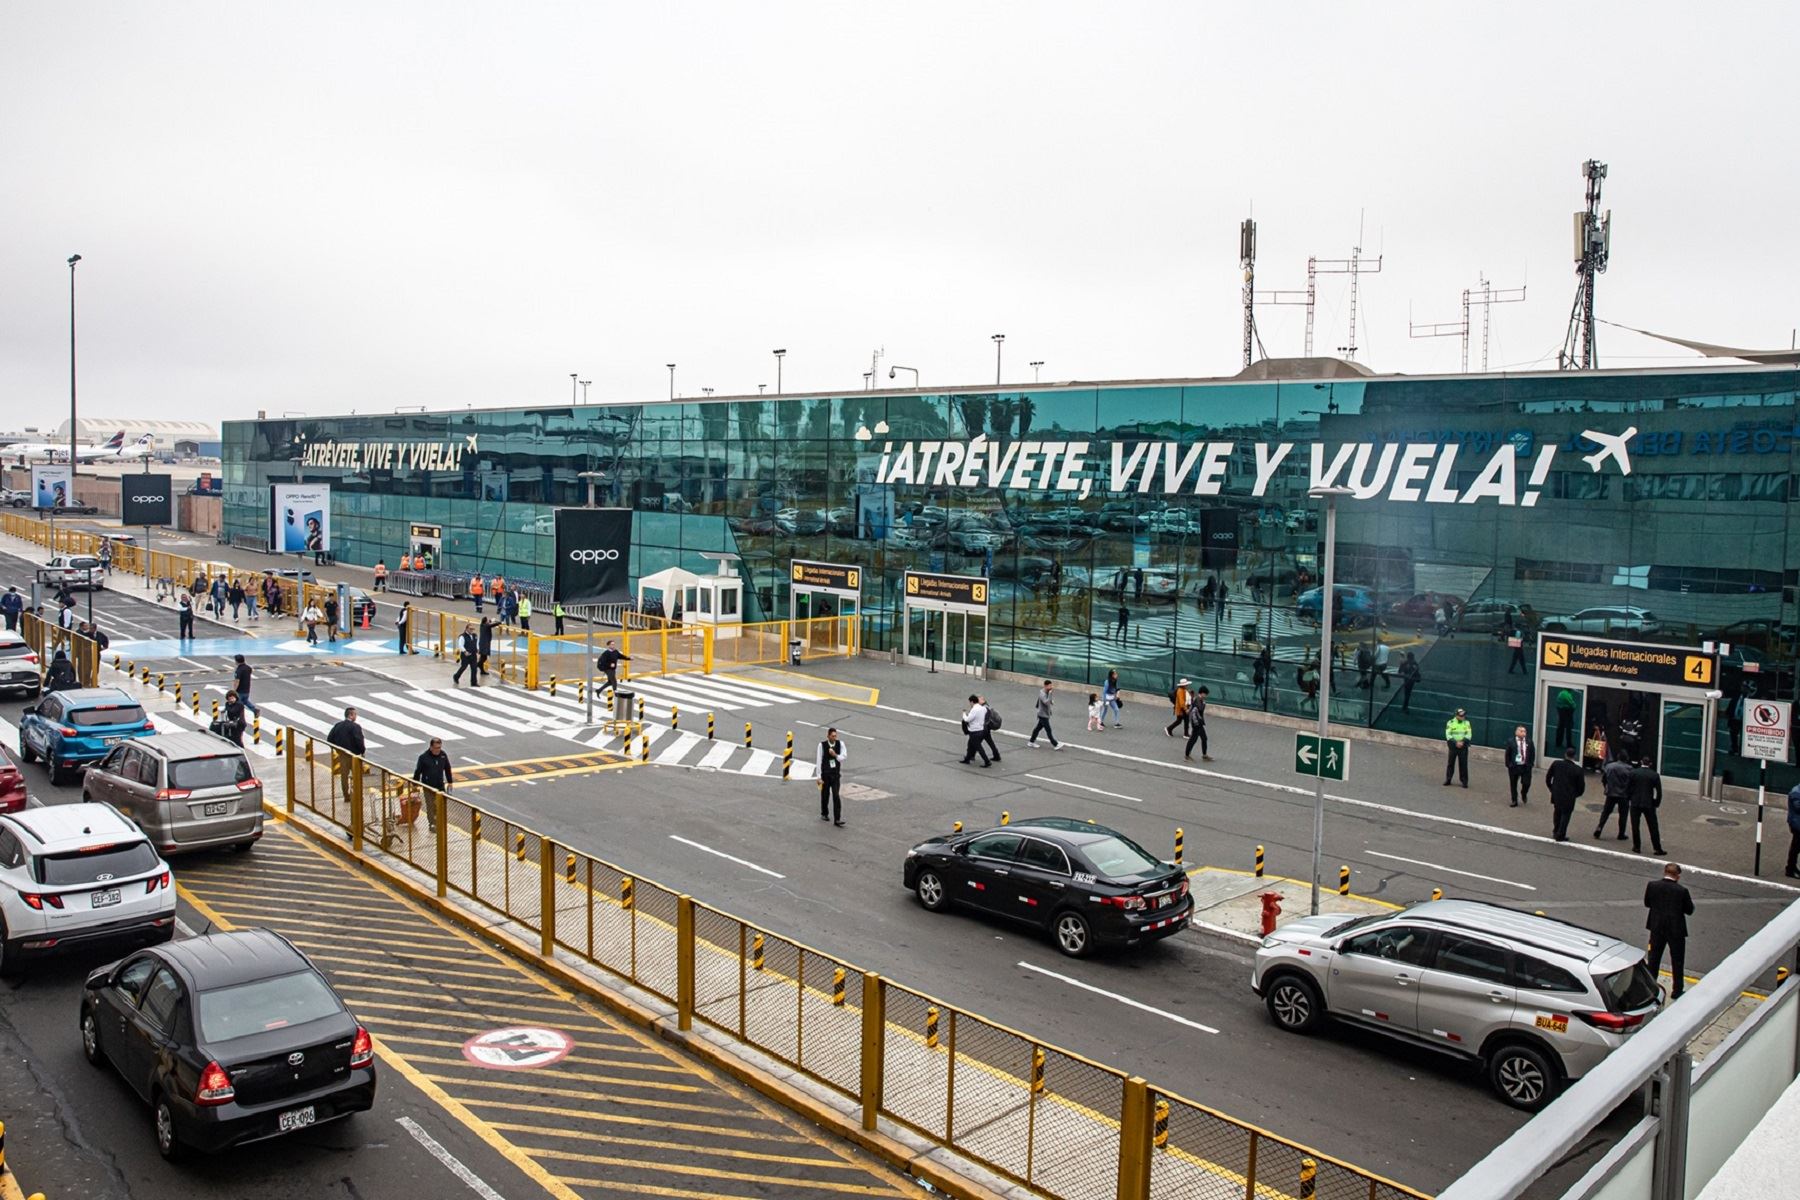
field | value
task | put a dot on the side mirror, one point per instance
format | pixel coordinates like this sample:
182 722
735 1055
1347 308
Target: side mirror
29 711
96 982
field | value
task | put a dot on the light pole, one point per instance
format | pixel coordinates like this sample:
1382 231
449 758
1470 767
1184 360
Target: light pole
779 355
74 459
762 389
584 387
573 382
1327 612
590 478
671 367
897 367
999 341
1036 365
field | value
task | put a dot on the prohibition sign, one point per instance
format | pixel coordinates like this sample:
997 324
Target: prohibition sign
523 1048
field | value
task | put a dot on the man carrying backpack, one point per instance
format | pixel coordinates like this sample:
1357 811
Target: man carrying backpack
990 723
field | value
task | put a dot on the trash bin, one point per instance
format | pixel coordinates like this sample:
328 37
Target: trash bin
624 706
794 651
1249 632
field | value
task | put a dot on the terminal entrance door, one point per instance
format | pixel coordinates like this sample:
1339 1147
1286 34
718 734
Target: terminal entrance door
944 622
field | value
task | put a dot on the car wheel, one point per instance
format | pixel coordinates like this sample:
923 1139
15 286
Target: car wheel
1294 1003
58 775
25 750
1523 1075
1074 936
8 955
243 847
90 1039
168 1142
932 893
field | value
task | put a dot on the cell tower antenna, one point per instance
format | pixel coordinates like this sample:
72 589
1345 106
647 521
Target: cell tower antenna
1593 246
1247 260
1354 266
1484 294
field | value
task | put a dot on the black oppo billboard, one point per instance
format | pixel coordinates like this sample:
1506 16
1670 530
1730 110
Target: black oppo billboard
593 556
1218 538
146 500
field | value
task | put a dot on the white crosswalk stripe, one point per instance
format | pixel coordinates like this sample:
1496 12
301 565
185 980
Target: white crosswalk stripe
186 718
393 714
335 712
307 722
445 715
677 748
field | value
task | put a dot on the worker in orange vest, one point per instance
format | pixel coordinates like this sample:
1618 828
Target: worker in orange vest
499 588
381 574
406 562
476 591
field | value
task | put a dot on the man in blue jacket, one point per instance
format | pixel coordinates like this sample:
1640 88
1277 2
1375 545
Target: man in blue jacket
1793 867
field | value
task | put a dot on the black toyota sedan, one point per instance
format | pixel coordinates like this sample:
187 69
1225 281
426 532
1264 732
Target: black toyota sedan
1087 885
231 1038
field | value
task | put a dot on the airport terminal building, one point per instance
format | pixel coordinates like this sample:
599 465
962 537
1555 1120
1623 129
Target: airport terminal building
1163 529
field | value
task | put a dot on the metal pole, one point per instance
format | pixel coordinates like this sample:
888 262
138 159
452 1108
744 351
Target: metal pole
590 663
1327 610
74 460
1762 781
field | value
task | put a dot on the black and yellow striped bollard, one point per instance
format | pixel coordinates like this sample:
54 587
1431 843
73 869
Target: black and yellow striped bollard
627 893
1437 893
1259 862
640 710
280 742
256 729
1006 818
160 677
1037 1070
569 868
956 828
675 717
178 694
1180 839
756 952
1344 881
581 692
643 745
1781 975
1309 1177
931 1028
474 821
746 735
709 727
837 988
1161 1137
215 710
787 757
553 687
147 676
519 846
196 696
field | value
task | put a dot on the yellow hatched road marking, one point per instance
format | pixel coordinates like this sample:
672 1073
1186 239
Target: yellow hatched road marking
613 1139
450 966
568 1018
646 1189
602 1160
556 1072
534 775
582 1114
335 926
579 1059
572 1094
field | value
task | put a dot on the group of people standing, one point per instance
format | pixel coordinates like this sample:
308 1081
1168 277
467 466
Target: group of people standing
1629 785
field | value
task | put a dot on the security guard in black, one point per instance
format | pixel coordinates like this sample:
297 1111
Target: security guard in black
829 763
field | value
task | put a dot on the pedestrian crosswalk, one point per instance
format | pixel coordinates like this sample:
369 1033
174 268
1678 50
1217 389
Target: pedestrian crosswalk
685 748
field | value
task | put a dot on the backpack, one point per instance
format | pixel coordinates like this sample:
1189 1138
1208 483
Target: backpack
993 717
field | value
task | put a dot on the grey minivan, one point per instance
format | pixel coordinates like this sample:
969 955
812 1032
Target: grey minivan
186 791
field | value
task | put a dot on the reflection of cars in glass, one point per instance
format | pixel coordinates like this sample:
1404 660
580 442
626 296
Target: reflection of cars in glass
1359 605
976 540
1775 639
1607 620
800 522
1487 616
544 523
1421 609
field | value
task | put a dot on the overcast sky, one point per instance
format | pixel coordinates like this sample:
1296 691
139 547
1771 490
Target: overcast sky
340 206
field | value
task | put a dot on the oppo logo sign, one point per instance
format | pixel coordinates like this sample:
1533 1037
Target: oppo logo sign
149 499
593 556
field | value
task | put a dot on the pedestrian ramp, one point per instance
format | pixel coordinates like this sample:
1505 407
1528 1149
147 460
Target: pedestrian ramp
687 747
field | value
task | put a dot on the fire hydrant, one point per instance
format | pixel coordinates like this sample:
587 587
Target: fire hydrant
1271 902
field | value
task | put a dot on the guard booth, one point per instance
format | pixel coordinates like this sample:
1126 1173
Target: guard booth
944 621
1649 700
690 599
817 589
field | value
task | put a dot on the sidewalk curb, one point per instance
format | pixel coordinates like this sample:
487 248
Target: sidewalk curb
891 1150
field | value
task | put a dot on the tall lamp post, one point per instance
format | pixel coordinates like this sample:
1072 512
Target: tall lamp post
779 355
74 459
999 341
1037 365
573 384
671 367
584 387
591 478
1327 613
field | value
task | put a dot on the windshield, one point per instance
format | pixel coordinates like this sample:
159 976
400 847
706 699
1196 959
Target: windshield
99 865
1632 988
247 1008
220 771
1117 857
112 714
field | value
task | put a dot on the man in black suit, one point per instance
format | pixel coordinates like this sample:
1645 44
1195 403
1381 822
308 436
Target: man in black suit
1521 758
1670 906
1566 781
1645 798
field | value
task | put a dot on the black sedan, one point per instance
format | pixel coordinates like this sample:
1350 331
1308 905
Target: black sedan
231 1038
1086 885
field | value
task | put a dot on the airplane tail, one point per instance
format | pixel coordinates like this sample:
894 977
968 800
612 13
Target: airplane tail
115 442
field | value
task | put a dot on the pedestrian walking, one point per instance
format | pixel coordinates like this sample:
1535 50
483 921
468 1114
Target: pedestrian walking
403 627
241 679
1593 750
1646 798
1179 698
1263 672
1669 906
1516 639
331 617
828 765
347 745
219 592
61 675
1409 679
231 722
477 590
433 771
510 602
556 614
1629 741
381 574
184 612
1615 788
987 729
484 642
1565 781
1124 622
11 605
1382 659
1793 862
1095 710
1565 718
1439 621
468 658
311 618
974 723
250 613
1306 678
524 612
1521 758
1197 725
234 596
1365 667
1112 700
1044 701
1457 732
106 556
609 661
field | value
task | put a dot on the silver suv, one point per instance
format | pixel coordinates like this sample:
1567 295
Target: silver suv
1540 1002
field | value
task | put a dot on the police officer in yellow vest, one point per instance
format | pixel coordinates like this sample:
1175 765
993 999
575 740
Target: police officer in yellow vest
1457 732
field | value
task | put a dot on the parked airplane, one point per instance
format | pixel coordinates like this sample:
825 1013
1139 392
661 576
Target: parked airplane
113 449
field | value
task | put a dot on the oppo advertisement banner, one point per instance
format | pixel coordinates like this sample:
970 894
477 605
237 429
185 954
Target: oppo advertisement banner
50 487
300 518
146 500
593 556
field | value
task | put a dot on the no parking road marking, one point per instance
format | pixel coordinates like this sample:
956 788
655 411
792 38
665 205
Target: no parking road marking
518 1049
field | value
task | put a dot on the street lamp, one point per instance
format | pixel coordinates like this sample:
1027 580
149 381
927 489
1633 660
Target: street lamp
572 385
590 478
584 387
914 370
761 388
779 355
671 367
1036 365
74 459
1327 611
999 340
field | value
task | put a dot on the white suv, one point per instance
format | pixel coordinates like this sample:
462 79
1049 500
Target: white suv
74 875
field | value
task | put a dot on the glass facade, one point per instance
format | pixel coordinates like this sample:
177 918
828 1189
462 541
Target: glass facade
1696 542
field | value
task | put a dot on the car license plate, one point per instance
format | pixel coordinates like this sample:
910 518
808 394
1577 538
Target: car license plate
300 1118
104 899
111 741
216 809
1164 900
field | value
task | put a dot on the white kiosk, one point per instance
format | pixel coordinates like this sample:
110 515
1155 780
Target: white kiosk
716 600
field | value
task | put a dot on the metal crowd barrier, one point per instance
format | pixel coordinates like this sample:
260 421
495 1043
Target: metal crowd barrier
1064 1125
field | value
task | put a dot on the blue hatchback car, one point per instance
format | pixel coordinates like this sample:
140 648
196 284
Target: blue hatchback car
1359 605
70 729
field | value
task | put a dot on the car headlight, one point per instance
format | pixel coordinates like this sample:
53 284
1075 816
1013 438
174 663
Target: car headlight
912 854
1269 943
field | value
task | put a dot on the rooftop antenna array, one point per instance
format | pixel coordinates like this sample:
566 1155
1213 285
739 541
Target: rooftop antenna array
1593 245
1247 260
1354 266
1484 294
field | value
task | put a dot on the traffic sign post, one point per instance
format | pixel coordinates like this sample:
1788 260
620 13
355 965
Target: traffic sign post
1767 726
1322 757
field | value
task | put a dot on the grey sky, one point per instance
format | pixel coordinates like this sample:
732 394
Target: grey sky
337 206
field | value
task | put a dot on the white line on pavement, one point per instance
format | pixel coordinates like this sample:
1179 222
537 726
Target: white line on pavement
742 862
1419 862
841 730
1126 1000
450 1161
1084 787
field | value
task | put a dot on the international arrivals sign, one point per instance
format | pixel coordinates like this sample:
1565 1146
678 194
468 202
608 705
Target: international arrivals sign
389 456
1413 472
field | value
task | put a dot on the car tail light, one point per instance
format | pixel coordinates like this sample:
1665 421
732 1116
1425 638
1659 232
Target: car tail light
362 1050
173 794
214 1086
149 725
1612 1022
249 785
31 658
37 900
1129 903
65 731
158 881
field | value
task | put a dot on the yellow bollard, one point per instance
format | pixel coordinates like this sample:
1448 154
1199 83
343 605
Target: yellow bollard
1781 975
709 727
627 893
147 678
787 757
675 717
746 735
581 692
553 687
1259 862
1006 818
160 677
215 710
1037 1070
957 828
178 695
1309 1172
1343 881
931 1028
569 868
644 746
756 952
1161 1137
519 846
1180 835
640 710
837 988
280 741
1437 893
256 729
196 695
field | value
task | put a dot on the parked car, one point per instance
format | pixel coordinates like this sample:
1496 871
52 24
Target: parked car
70 729
72 571
15 498
74 875
230 1038
1086 885
186 791
1607 621
1359 605
1420 610
20 670
1539 1002
14 795
1489 615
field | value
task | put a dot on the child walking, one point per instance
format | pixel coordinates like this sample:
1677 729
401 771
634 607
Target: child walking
1094 711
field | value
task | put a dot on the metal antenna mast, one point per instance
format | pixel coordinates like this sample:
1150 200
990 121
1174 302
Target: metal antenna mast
1353 266
1247 260
1484 294
1593 245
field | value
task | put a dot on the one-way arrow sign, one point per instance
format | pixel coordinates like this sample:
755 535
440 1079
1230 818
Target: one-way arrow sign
1328 758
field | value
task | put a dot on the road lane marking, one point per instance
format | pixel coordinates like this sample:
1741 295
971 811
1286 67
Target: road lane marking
742 862
1084 787
1419 862
451 1162
1125 1000
842 732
